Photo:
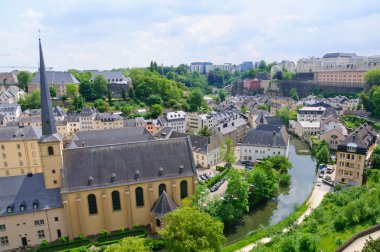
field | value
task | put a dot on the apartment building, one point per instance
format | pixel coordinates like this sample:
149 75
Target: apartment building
176 119
351 155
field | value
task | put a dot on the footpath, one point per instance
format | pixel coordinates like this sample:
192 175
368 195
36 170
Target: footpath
313 202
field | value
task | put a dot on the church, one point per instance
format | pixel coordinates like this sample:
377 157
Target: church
106 179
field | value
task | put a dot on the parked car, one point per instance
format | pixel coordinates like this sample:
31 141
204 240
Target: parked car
213 189
227 165
247 163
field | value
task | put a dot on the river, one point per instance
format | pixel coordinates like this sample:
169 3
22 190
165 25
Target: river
303 175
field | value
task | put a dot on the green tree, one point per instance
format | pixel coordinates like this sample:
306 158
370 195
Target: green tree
24 77
188 229
294 94
101 105
263 107
156 110
131 92
287 75
228 151
127 110
53 92
153 99
323 154
64 98
80 76
99 87
222 95
372 77
237 192
86 91
195 100
286 115
123 94
375 158
78 103
243 109
31 100
72 90
205 131
372 245
129 244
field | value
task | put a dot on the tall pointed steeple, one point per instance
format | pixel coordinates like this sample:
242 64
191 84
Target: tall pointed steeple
47 116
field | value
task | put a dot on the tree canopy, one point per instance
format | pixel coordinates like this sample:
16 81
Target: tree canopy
228 151
23 79
129 244
31 100
372 77
188 229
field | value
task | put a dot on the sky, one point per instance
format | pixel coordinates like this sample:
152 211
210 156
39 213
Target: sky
84 34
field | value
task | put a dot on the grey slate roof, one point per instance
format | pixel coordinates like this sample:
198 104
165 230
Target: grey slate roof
163 206
131 163
16 133
112 77
28 189
56 77
110 136
267 135
4 107
129 123
364 136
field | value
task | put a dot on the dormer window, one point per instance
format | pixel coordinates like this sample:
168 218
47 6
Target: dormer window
137 174
10 208
90 180
160 171
23 206
36 204
181 168
113 177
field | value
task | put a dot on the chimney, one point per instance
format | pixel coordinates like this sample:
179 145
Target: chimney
353 138
82 144
274 132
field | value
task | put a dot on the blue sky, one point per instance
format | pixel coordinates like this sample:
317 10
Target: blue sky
85 34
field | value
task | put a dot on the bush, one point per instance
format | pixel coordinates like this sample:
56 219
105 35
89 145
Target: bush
67 246
220 168
116 237
285 179
340 222
154 244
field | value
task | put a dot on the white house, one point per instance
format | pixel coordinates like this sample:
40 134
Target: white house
264 141
11 111
176 119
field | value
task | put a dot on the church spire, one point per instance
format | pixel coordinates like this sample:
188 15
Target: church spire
47 116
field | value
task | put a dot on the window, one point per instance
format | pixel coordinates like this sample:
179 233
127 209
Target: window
161 188
56 219
41 234
2 147
139 197
4 155
4 240
183 187
50 151
18 146
19 154
158 223
21 163
92 207
6 171
39 223
2 227
116 201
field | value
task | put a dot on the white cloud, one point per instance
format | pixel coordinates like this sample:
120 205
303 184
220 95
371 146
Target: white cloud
32 14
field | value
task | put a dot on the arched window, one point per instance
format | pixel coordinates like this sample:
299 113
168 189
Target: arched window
92 207
116 201
139 197
161 188
183 187
50 151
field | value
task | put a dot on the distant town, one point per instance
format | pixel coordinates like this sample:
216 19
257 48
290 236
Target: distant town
90 157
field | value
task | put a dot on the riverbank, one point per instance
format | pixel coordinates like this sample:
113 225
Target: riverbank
264 236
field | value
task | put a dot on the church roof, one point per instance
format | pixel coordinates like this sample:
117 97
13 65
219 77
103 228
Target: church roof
110 136
131 163
19 133
163 206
